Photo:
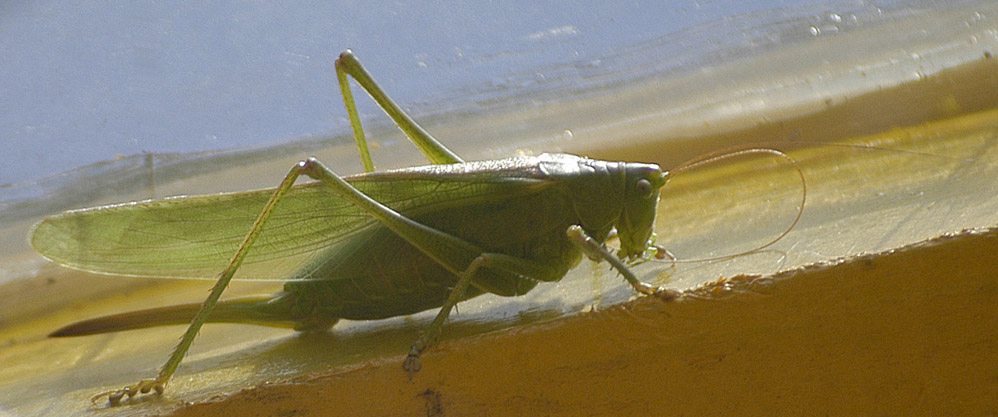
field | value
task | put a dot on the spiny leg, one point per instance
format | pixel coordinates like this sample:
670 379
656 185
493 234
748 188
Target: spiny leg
432 333
158 384
435 151
420 235
595 250
518 266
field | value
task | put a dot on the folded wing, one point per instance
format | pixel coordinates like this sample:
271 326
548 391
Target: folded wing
194 237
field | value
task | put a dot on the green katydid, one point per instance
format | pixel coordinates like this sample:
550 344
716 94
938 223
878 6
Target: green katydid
369 246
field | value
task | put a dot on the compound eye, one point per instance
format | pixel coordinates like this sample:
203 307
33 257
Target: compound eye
643 188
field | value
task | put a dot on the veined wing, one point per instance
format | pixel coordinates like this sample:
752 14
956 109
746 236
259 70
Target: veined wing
195 237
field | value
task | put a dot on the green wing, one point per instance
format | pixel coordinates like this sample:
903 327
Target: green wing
194 237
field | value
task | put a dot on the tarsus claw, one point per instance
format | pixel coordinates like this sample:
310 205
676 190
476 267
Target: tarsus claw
412 364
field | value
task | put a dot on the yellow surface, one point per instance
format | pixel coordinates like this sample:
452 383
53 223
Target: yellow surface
909 331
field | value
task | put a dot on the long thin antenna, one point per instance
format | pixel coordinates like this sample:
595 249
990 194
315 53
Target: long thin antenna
728 153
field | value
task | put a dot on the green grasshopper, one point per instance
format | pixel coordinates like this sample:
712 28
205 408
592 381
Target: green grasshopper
369 246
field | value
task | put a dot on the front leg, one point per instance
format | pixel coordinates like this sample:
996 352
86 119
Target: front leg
595 250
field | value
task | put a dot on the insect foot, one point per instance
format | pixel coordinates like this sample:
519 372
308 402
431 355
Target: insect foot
666 294
412 363
143 387
661 293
